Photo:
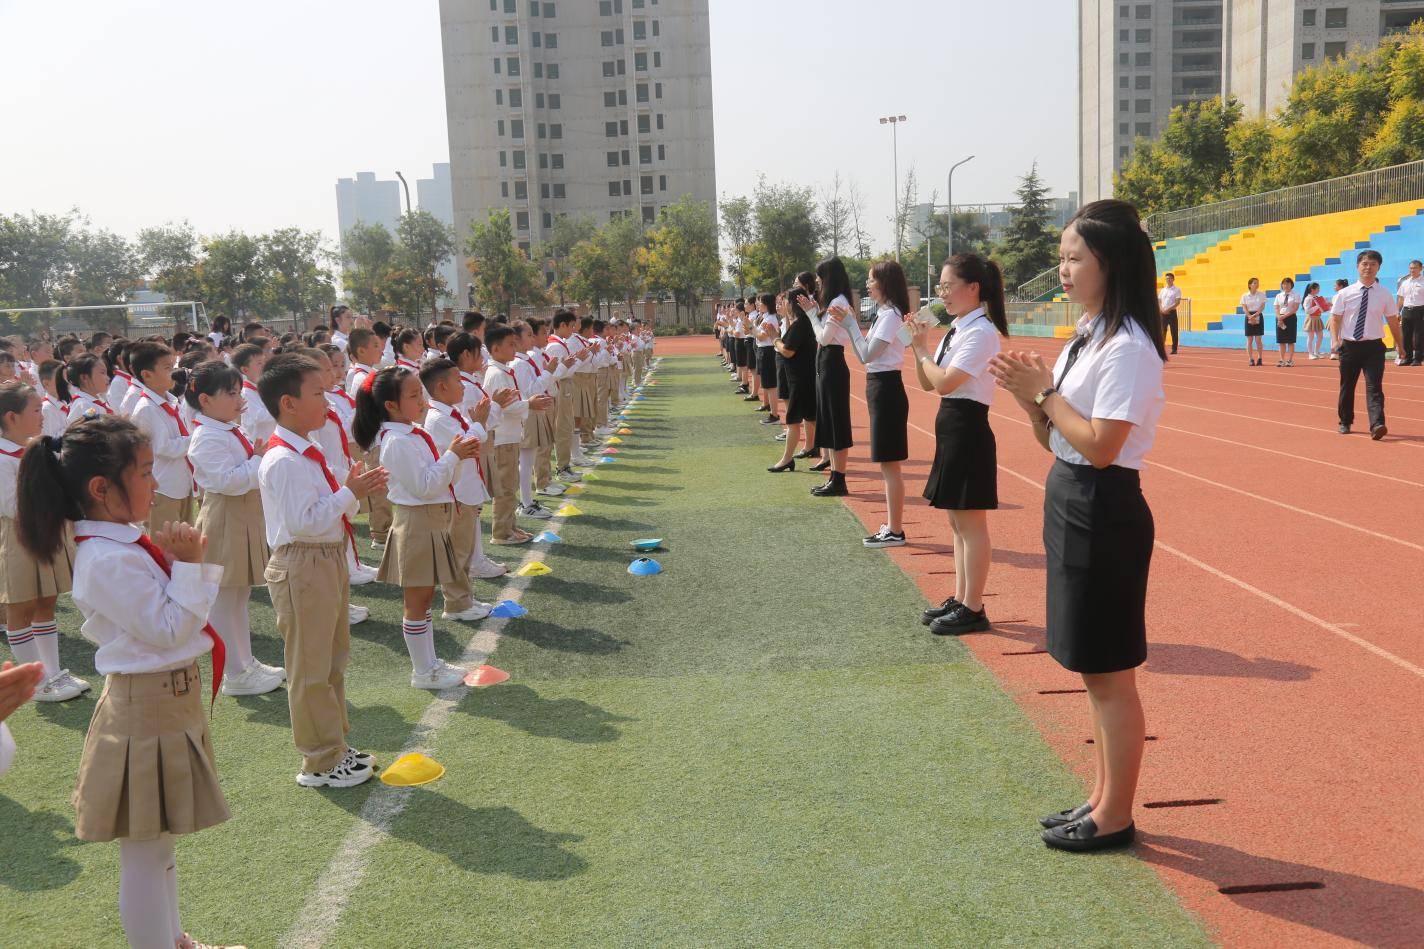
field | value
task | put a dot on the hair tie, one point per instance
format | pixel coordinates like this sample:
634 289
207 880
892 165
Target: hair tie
369 383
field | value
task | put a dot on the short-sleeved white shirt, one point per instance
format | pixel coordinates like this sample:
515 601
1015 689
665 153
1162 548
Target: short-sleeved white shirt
888 321
1253 302
1287 303
975 342
769 322
1412 290
1119 379
1169 297
1380 304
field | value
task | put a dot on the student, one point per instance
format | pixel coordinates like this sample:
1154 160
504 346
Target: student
117 363
1357 320
9 368
148 773
473 322
30 586
560 348
1097 412
230 519
156 415
250 360
342 320
363 350
533 384
1314 306
964 480
502 461
833 426
419 556
446 421
467 353
585 389
222 330
765 331
797 348
89 386
604 382
409 348
1340 284
68 348
1253 303
1409 297
1287 306
551 372
134 389
99 343
883 353
307 515
334 439
54 403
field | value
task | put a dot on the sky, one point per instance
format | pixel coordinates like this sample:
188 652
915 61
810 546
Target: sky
243 115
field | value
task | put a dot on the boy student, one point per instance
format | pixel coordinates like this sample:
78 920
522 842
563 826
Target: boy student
257 422
559 349
474 324
538 438
585 386
156 415
307 518
604 379
364 348
502 468
467 353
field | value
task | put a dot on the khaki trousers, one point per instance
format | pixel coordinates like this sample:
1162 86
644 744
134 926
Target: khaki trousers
605 394
377 507
166 509
502 469
463 524
564 423
309 586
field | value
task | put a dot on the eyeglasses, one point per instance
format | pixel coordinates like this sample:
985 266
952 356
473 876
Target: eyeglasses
941 288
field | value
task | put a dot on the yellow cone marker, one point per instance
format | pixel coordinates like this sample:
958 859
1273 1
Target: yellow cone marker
412 769
591 476
615 440
574 489
568 510
535 568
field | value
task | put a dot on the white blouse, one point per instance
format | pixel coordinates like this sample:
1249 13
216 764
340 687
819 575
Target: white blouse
886 329
1287 304
975 342
257 422
220 462
440 422
1253 302
118 388
830 333
769 322
510 430
170 445
10 453
54 416
1120 379
418 476
86 406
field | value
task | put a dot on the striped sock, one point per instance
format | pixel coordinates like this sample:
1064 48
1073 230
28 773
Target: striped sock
46 635
23 645
419 642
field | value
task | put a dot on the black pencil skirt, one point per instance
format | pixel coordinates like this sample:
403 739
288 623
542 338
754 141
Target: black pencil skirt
783 378
889 416
965 474
1097 533
832 399
766 367
800 397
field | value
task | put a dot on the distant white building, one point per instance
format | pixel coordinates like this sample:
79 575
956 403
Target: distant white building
434 194
366 200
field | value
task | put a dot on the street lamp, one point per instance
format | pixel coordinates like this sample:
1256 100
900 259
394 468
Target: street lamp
949 199
893 121
407 191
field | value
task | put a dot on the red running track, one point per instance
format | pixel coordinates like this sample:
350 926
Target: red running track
1285 676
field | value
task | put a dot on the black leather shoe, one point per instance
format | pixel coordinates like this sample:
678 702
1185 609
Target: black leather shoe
935 612
1068 816
823 466
750 398
1343 429
789 466
1081 836
808 453
835 488
959 621
1378 432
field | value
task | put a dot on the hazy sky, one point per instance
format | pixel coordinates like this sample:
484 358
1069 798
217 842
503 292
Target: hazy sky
243 115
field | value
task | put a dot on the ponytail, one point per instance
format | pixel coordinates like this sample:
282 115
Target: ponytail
54 369
371 399
80 367
972 268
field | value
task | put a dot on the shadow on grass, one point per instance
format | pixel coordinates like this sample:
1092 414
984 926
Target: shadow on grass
33 851
578 591
519 706
558 638
74 714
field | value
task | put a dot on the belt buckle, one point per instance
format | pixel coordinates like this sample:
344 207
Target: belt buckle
179 687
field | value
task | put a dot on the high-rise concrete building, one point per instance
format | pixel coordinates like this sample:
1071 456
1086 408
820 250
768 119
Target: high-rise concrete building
433 194
366 200
1136 61
593 108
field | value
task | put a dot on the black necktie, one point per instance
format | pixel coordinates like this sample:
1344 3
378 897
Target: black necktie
1073 352
944 344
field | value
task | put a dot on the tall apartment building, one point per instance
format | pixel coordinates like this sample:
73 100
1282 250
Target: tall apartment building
1136 61
594 108
367 200
433 194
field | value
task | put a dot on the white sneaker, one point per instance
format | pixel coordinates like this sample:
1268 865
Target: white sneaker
61 687
75 680
357 613
250 681
377 545
535 510
1313 356
603 430
271 670
582 459
552 490
478 610
1334 355
360 757
347 774
483 568
438 677
569 475
363 575
1399 360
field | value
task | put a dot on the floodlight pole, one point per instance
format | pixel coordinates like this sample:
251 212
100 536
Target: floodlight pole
407 191
894 122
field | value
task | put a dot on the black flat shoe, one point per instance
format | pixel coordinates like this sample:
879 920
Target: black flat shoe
808 453
1067 817
823 466
959 621
1081 836
935 612
789 466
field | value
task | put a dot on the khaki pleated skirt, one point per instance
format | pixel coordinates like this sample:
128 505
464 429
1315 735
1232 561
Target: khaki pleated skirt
419 552
539 429
585 394
148 767
237 538
23 578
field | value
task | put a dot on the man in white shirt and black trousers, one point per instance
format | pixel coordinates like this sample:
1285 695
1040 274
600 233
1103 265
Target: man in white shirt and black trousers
1357 320
1409 345
1168 299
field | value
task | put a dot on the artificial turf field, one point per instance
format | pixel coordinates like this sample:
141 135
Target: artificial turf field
760 746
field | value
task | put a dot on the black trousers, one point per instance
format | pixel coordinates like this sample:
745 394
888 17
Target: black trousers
1169 325
1365 356
1411 327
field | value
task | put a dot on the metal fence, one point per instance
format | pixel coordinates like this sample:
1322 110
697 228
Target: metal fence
1361 190
1039 286
1056 313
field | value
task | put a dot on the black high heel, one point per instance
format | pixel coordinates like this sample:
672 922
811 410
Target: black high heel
789 466
808 453
823 466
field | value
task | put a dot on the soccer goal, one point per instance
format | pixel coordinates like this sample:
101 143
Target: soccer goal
127 317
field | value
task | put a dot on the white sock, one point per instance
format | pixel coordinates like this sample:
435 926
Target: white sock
526 474
229 617
420 643
479 552
148 892
46 633
23 646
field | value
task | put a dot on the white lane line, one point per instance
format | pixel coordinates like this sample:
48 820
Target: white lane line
1271 421
1264 398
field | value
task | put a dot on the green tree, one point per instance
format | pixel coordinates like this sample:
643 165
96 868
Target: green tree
568 233
681 258
607 267
34 261
169 256
103 268
739 231
1030 243
232 274
1189 162
368 255
425 243
294 264
787 235
504 276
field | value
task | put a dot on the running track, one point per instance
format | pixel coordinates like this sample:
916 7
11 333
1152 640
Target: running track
1285 679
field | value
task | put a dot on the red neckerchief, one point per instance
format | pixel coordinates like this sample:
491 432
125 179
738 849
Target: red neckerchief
512 380
331 416
364 371
123 375
219 650
435 454
349 401
248 386
476 383
12 454
62 408
406 363
172 412
313 453
99 402
529 360
465 429
559 340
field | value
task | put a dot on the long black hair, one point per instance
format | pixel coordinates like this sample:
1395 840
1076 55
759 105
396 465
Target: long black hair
1113 232
893 285
210 378
835 282
384 386
972 268
79 367
55 474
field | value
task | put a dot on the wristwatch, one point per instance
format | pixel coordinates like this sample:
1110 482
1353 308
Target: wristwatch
1042 397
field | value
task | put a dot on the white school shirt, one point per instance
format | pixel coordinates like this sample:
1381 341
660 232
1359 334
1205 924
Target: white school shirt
974 343
1287 304
443 428
417 476
1120 379
297 503
356 376
85 406
830 333
141 620
257 422
769 321
340 340
1380 304
558 349
220 462
388 354
1411 289
578 344
328 439
1253 302
216 339
510 430
10 453
533 379
886 327
474 394
118 388
54 415
1169 297
130 398
170 445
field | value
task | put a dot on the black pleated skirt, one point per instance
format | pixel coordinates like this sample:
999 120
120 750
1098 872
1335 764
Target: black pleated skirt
1097 533
766 367
889 416
832 399
965 474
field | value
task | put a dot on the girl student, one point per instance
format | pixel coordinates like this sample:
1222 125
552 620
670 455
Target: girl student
225 464
222 330
1253 304
156 415
883 352
1287 305
833 431
797 349
250 359
117 363
145 604
30 585
964 480
1097 412
1340 284
409 349
467 353
334 440
419 555
89 385
765 332
1315 308
54 397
